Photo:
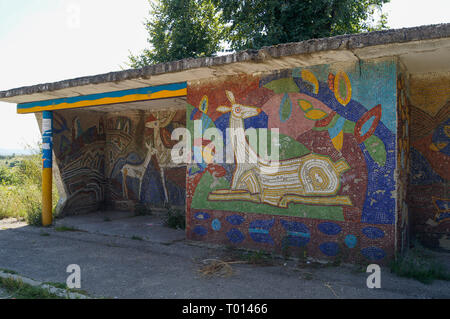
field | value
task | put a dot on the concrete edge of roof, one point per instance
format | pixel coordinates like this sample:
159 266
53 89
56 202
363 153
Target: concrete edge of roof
341 42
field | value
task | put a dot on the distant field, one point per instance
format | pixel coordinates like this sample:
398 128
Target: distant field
11 161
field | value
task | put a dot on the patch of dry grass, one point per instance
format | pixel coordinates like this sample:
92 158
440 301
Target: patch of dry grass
217 267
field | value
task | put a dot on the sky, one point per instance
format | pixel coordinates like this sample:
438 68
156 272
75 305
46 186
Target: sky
51 40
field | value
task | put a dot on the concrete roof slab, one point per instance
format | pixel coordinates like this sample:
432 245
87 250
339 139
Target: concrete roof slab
400 42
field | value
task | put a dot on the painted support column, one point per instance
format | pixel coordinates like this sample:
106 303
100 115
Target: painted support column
47 147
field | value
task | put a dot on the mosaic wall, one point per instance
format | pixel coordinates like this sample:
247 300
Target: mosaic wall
112 160
428 189
78 145
335 192
139 166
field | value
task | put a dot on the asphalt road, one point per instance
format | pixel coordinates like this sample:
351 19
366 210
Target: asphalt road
159 263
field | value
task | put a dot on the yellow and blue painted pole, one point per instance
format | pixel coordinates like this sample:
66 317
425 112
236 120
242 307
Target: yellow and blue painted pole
47 146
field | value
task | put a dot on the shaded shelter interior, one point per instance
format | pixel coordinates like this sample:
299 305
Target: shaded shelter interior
114 156
429 158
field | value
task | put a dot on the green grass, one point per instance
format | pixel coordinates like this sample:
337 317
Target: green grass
418 263
20 290
259 258
20 189
175 219
7 271
61 285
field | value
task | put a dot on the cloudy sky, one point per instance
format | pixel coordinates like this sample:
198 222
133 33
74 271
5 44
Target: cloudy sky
51 40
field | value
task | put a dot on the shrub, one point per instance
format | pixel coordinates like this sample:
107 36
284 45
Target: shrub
7 176
34 214
21 190
418 263
29 169
175 218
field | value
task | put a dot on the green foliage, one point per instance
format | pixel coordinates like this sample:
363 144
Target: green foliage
21 189
8 271
7 176
181 29
260 257
30 169
258 23
175 218
21 290
34 213
419 263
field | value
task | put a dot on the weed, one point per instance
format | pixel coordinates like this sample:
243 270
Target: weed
285 248
34 213
359 269
44 234
107 219
418 263
303 255
259 258
65 228
7 271
175 218
20 189
337 261
61 285
21 290
136 237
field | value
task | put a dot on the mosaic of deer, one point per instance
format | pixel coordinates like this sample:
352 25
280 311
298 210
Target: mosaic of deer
309 179
136 170
161 146
157 148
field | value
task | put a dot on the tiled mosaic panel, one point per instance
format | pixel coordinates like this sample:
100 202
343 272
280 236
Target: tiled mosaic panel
339 117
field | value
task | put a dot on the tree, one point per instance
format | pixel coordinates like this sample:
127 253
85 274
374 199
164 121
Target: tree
258 23
193 28
181 29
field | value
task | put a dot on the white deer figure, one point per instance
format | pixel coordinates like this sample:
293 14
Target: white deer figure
162 151
310 179
136 171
